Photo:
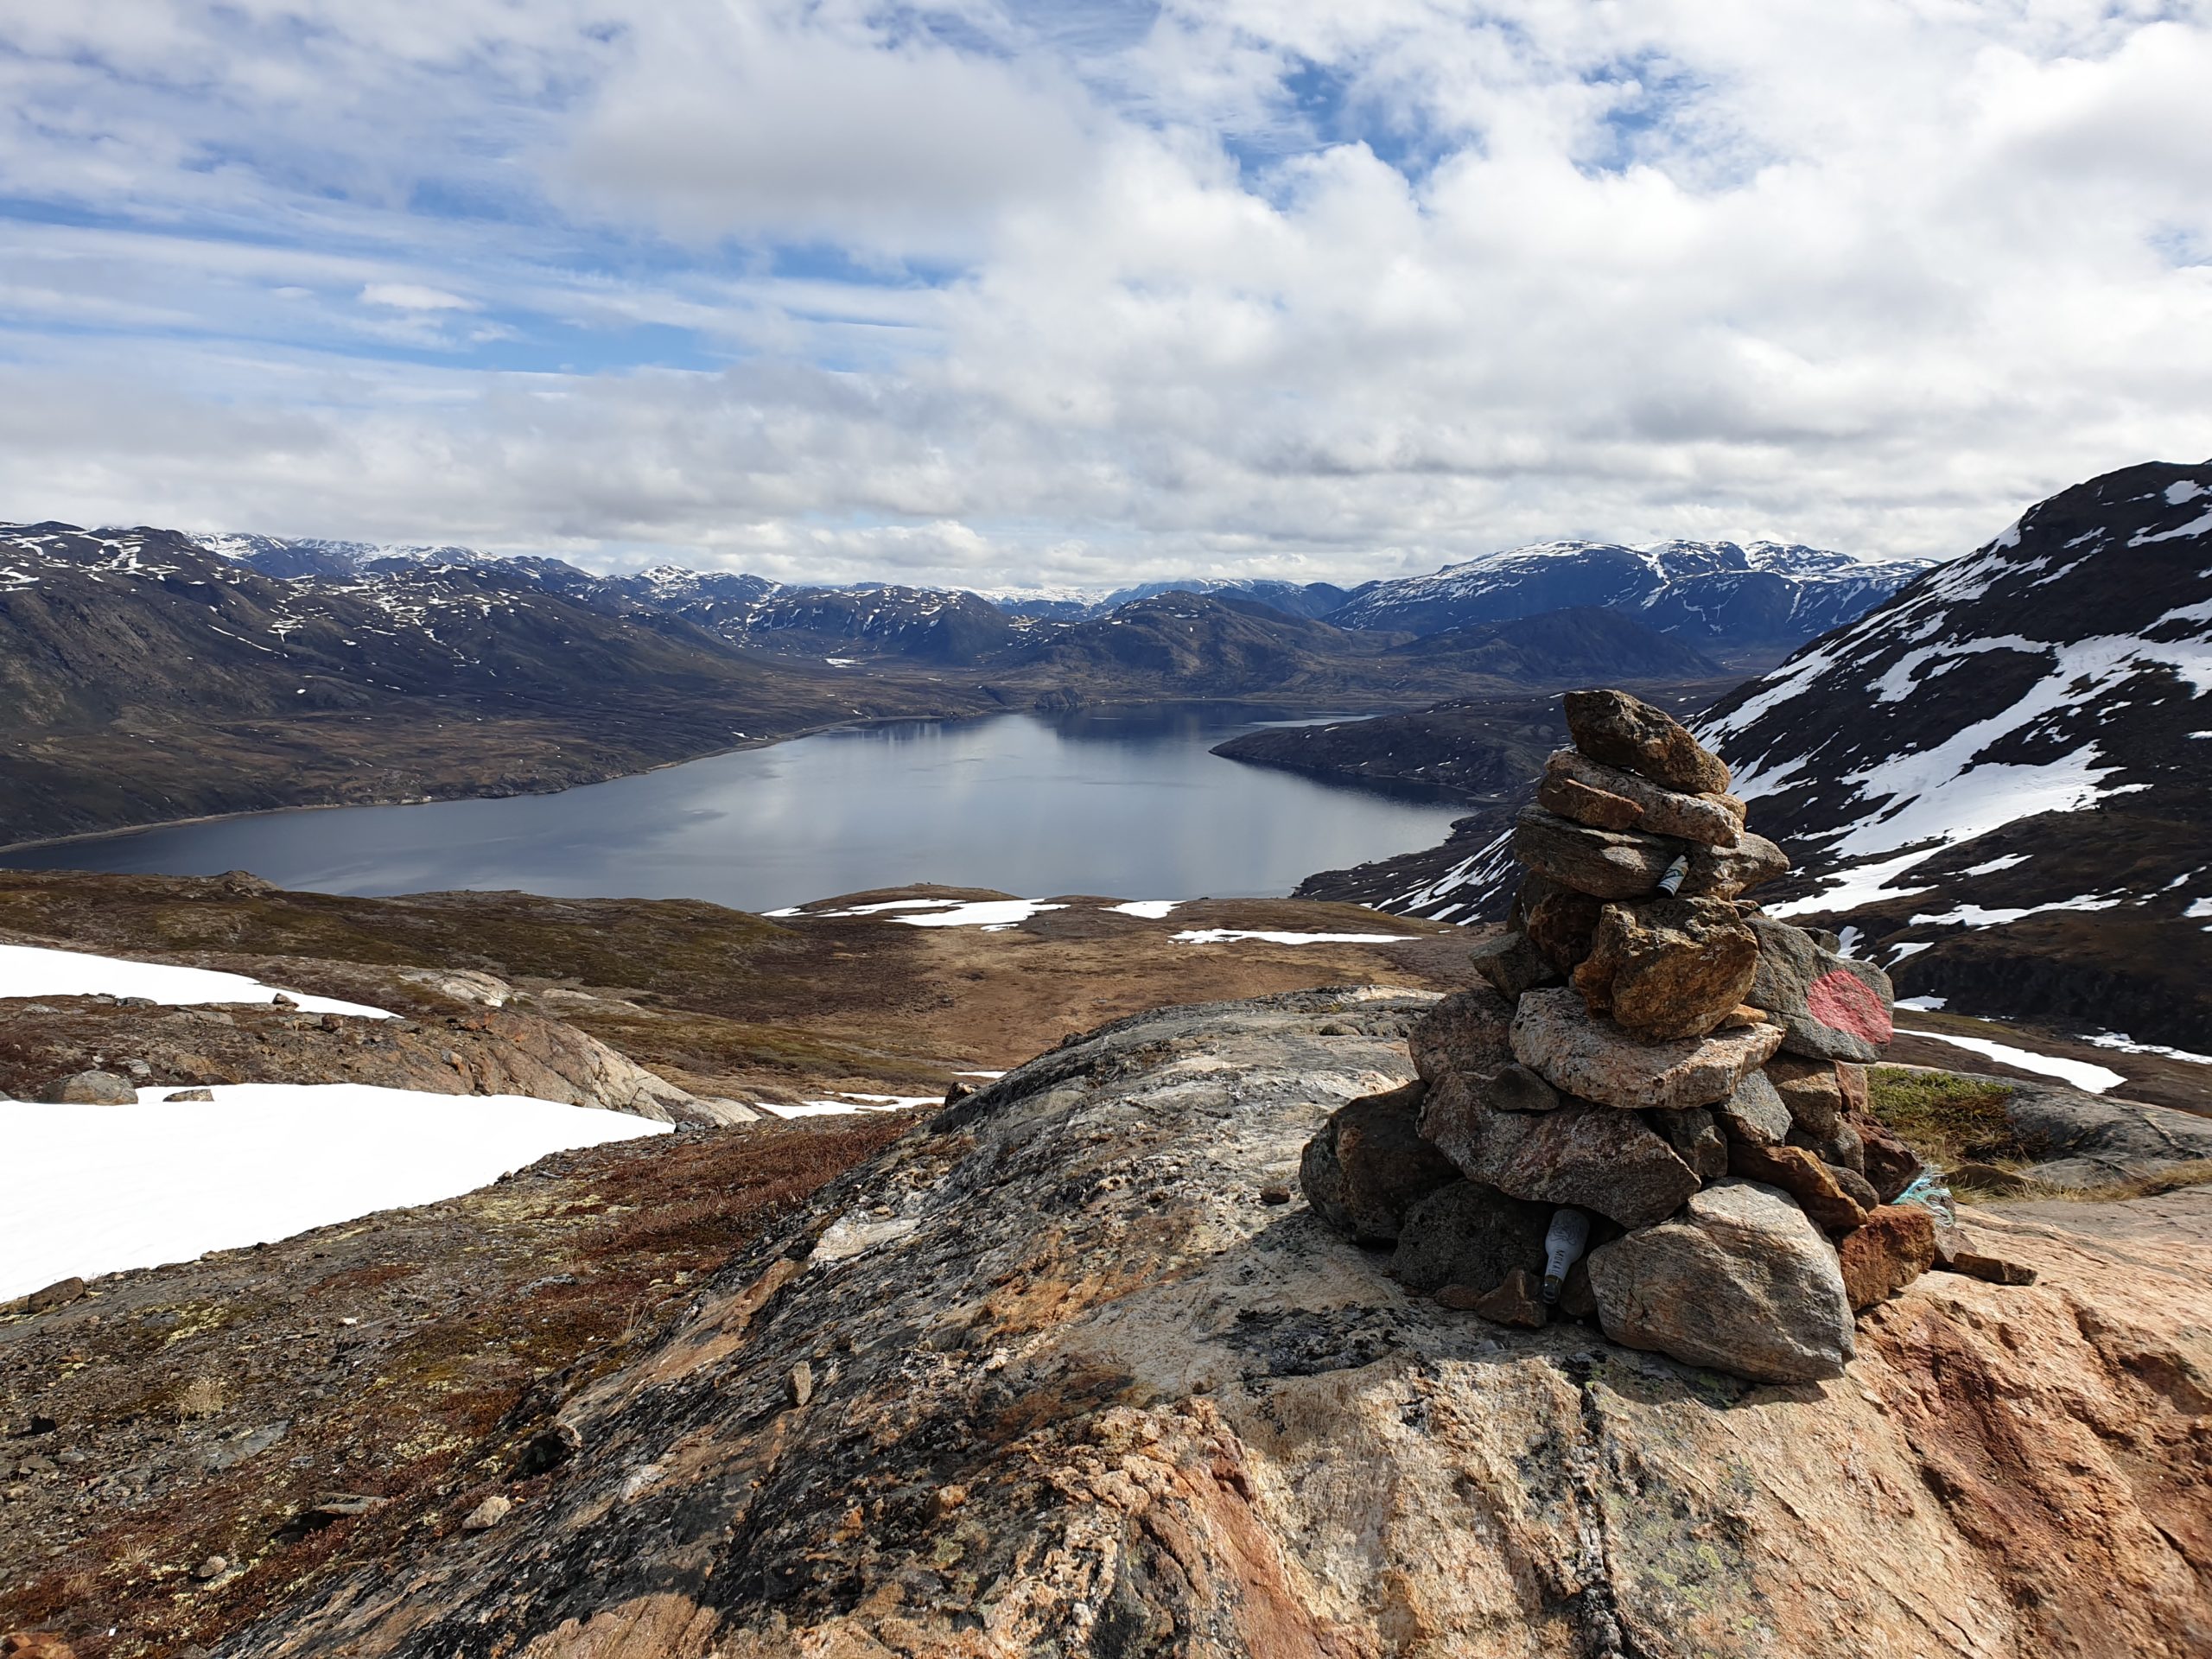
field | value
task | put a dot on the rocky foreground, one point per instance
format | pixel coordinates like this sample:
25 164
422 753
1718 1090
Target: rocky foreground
1070 1370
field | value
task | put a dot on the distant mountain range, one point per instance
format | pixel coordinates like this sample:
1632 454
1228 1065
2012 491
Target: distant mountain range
151 677
1998 783
1746 606
1715 594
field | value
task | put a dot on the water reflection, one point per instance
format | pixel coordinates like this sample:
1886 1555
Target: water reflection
1126 801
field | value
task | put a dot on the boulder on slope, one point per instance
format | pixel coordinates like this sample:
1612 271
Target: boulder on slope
1741 1281
1246 1433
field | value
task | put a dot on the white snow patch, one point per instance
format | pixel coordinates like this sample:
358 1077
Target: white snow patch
2198 907
2129 1045
101 1188
2082 1074
1152 909
31 970
1975 915
1995 865
2182 492
992 915
1229 934
1848 941
2197 526
1923 1004
1851 889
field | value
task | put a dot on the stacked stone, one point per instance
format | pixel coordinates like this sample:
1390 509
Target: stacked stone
1654 1050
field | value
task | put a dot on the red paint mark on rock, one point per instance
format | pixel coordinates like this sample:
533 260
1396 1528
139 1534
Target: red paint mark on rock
1842 999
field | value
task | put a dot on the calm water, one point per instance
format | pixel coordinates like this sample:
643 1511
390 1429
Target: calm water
1122 802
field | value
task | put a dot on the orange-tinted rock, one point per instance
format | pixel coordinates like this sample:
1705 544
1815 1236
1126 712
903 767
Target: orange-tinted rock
1804 1178
1519 1301
1668 968
1893 1247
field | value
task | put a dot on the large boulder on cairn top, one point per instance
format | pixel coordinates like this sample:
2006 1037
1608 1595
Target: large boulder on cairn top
1628 733
1556 1036
1468 1234
1604 863
1668 967
1368 1165
1833 1008
1606 798
1740 1282
1819 1190
1591 1156
1895 1246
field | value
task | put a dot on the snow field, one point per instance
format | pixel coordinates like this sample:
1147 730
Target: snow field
29 971
97 1189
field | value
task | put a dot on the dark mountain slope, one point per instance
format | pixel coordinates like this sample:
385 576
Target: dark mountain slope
2002 778
147 678
1583 643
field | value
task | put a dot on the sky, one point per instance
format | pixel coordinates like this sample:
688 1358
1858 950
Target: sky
1036 296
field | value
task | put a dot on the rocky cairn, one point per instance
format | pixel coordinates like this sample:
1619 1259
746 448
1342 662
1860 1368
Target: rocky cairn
1653 1068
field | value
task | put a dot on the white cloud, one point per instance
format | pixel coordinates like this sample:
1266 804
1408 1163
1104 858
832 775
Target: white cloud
414 297
1003 297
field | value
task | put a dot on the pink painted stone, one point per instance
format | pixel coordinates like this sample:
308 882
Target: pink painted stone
1845 1002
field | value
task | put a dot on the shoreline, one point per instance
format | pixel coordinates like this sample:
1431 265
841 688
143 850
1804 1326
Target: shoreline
41 843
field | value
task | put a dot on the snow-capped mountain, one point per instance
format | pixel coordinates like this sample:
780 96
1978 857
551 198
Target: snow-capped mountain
2002 778
929 624
1313 599
290 556
1765 594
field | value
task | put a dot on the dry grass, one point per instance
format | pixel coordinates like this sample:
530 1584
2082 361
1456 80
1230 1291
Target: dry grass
1949 1120
2174 1178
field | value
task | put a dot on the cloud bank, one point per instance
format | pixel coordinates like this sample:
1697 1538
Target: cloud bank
1024 294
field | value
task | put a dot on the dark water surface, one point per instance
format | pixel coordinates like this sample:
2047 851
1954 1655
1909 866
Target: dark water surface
1125 802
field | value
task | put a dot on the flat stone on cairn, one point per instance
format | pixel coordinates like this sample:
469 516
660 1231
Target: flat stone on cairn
1578 1052
1696 1087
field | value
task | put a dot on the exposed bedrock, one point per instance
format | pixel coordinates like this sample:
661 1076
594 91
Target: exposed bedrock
1076 1389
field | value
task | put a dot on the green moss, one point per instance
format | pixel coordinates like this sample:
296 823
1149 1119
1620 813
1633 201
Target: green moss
1946 1118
